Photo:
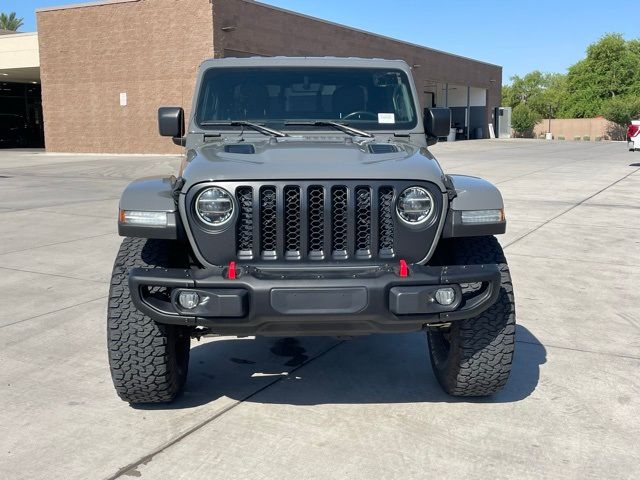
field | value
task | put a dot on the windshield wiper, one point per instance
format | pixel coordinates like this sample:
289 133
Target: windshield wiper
242 123
338 126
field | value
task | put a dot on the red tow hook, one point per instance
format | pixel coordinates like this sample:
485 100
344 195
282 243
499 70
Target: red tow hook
403 272
232 273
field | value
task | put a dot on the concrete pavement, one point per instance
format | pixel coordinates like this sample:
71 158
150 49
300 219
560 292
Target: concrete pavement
319 408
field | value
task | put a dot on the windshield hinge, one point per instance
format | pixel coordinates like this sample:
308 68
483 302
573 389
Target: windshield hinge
402 135
176 188
451 189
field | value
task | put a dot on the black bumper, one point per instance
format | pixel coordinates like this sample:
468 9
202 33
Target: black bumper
286 300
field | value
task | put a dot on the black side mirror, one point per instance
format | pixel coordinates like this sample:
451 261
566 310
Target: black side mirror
171 123
437 123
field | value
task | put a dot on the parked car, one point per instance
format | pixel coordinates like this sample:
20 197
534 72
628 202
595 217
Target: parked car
308 203
633 135
13 130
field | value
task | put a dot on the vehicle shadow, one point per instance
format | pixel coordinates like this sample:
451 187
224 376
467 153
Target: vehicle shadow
372 369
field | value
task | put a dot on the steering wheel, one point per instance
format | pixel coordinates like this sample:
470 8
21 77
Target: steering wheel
361 112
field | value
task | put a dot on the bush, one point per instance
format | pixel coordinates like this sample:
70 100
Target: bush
616 132
523 120
577 138
620 111
586 138
598 139
560 137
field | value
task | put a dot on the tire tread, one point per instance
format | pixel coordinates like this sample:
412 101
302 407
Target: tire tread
482 348
143 354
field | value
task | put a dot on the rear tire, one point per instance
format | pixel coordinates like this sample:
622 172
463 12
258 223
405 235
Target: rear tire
473 357
148 361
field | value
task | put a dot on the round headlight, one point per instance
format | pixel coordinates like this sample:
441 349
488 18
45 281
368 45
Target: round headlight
214 206
415 205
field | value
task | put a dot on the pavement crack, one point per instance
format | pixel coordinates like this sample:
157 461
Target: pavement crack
55 243
630 319
573 260
149 457
570 209
52 311
52 205
101 282
581 350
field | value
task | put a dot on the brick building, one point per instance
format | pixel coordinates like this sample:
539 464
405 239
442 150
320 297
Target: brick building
106 67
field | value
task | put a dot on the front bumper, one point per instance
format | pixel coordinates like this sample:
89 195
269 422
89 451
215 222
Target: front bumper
309 300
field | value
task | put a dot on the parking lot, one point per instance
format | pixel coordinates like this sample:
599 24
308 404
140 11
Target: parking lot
322 408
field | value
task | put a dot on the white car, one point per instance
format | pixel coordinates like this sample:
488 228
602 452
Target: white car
633 135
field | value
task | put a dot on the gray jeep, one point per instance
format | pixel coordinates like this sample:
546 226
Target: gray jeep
308 203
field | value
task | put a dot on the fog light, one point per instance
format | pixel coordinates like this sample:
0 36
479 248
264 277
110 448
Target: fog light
445 296
188 300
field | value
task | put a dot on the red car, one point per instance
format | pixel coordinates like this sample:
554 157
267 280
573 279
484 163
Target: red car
633 135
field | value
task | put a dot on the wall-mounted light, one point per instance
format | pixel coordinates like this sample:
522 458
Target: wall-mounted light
229 29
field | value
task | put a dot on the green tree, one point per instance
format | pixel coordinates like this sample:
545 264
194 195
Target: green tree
620 111
609 70
524 119
553 96
507 96
544 93
524 89
10 22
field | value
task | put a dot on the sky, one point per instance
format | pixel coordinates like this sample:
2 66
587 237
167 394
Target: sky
521 36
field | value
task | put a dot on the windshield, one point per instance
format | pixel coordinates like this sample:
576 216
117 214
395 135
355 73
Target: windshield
365 98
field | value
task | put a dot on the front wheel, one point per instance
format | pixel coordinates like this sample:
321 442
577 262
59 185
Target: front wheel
473 357
149 361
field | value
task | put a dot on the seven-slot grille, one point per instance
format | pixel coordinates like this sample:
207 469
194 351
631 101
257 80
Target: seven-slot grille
315 222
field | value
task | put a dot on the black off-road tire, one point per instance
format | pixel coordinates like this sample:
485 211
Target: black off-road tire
148 361
473 357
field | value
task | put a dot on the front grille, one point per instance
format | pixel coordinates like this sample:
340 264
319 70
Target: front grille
315 222
339 219
268 222
386 219
245 221
363 221
292 221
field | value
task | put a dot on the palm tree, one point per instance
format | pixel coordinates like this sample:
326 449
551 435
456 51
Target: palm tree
10 22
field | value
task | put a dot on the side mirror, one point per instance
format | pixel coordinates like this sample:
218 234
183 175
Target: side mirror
171 123
437 123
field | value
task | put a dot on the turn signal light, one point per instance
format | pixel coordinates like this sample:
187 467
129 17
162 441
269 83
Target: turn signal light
482 216
144 219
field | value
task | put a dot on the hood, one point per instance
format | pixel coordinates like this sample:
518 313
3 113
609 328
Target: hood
306 158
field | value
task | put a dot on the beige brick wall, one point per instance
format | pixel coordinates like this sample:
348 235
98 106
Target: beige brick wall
149 49
569 128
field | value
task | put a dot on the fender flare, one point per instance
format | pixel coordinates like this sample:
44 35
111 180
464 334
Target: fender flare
151 194
473 193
